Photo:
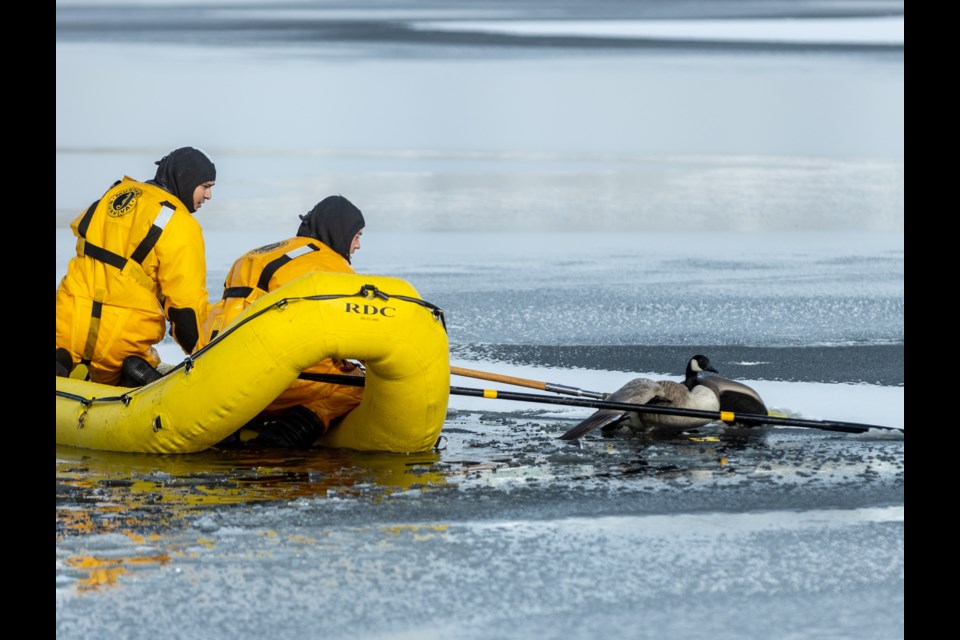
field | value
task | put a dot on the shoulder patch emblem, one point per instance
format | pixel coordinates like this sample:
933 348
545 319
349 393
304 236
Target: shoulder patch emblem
270 247
123 202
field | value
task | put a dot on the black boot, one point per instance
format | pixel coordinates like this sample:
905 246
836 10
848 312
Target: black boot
295 428
64 363
137 372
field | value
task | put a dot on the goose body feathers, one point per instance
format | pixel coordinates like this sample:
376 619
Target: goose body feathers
688 394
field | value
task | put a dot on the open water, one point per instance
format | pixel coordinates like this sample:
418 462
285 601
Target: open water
585 209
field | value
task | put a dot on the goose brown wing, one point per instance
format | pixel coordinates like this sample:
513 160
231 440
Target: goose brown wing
637 391
600 419
673 393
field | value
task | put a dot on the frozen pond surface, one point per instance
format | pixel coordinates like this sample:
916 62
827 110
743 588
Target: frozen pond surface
505 533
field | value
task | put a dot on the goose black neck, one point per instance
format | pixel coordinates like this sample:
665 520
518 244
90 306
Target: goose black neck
691 380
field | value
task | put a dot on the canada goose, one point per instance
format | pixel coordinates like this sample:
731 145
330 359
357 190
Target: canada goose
689 394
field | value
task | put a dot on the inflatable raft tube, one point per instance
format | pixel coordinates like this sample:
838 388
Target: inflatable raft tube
379 320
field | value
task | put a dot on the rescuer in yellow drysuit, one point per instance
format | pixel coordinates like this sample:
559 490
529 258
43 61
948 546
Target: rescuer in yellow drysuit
140 262
326 240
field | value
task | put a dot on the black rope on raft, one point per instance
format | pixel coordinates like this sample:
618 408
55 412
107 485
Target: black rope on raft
72 396
367 291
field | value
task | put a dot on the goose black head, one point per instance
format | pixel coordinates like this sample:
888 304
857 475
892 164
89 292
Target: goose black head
700 363
695 367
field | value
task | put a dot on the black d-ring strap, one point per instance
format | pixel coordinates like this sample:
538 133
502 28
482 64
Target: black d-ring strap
370 290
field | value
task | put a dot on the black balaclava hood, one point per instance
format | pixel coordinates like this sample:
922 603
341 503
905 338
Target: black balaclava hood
334 222
182 170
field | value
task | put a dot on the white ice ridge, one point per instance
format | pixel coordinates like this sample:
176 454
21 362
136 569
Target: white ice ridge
885 30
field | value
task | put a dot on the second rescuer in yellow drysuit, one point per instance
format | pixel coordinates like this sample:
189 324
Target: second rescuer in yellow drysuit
325 241
140 262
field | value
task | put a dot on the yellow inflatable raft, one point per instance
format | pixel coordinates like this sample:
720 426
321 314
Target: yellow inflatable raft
379 320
